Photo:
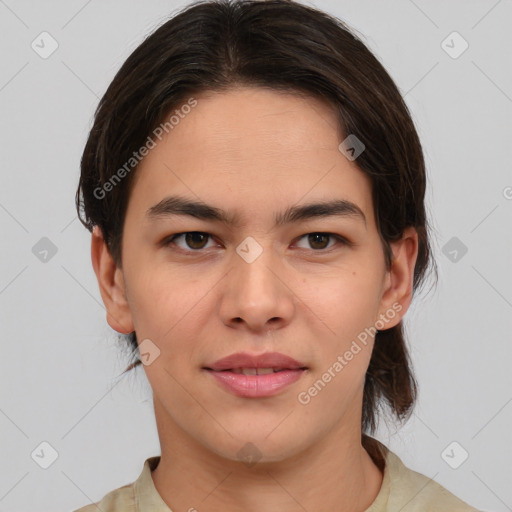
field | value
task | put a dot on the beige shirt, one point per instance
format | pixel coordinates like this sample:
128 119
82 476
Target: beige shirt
402 490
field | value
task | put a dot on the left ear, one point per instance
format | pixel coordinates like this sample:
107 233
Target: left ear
398 288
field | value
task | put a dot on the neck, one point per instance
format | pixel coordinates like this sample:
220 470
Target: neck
334 474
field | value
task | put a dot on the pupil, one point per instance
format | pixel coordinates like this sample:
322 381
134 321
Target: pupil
314 237
192 238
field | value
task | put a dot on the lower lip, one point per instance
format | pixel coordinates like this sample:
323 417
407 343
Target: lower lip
256 386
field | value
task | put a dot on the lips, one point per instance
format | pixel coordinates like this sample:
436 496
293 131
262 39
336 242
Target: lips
250 376
242 360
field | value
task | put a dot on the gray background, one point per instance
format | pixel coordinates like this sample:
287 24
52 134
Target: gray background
60 361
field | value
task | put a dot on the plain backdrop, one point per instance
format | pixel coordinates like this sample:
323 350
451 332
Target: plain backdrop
61 362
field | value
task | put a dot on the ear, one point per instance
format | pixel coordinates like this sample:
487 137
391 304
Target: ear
111 282
398 282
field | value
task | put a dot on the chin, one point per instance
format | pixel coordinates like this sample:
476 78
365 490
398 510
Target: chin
255 447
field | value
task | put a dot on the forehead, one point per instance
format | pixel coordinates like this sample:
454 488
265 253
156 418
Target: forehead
257 123
254 147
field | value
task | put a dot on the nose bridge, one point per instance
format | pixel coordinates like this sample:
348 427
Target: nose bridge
252 262
255 291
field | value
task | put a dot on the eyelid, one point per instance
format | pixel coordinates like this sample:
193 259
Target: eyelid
339 238
168 240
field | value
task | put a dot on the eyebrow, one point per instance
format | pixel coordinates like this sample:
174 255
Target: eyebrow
177 205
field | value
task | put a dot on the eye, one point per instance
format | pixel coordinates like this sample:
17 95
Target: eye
318 240
195 240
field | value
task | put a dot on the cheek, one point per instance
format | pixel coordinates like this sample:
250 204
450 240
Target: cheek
346 305
349 311
171 309
158 300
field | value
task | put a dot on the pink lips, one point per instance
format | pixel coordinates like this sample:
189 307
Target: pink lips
227 372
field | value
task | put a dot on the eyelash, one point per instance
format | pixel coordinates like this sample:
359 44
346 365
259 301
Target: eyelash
343 241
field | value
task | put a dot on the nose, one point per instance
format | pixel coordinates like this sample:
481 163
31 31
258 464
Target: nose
257 294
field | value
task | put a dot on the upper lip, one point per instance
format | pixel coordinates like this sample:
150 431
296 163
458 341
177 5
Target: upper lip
266 360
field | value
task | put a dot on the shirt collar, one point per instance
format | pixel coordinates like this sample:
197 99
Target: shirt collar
146 495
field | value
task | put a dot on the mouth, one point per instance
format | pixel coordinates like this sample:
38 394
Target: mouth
256 376
255 371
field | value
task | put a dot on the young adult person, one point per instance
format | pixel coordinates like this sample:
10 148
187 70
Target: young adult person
255 187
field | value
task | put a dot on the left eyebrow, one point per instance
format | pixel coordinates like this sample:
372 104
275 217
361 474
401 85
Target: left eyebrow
177 205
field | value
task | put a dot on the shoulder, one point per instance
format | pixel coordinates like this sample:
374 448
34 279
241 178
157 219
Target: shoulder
139 495
411 491
121 499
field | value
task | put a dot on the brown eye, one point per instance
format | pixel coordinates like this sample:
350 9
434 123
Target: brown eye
194 240
320 241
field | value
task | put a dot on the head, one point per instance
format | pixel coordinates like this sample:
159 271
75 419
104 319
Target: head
246 107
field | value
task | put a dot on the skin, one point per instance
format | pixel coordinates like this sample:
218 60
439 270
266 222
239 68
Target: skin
255 152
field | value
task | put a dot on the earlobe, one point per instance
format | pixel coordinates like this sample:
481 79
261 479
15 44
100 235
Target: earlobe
111 283
399 279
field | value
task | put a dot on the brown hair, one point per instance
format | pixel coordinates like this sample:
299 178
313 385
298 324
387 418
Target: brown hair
281 45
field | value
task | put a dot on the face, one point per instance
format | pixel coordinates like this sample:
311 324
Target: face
246 277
